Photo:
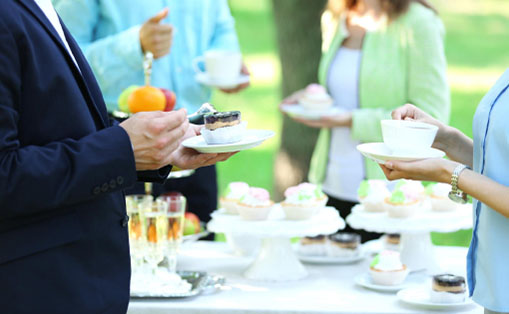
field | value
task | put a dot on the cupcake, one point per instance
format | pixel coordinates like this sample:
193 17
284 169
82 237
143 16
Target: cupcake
438 194
234 193
223 127
313 246
316 98
372 194
303 201
405 200
344 244
255 205
386 269
447 288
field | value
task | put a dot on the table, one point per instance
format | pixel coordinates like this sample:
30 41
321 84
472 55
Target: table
327 289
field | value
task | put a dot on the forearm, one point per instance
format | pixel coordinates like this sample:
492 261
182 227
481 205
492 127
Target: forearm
456 145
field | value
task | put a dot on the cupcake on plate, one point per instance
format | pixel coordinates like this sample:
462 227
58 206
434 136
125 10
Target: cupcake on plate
372 194
405 200
223 127
447 288
316 98
344 244
303 201
438 194
386 269
313 246
234 192
255 204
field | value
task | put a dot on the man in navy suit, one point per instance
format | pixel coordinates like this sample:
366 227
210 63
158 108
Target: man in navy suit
63 167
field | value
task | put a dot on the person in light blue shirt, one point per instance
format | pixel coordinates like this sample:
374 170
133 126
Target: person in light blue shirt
115 34
487 183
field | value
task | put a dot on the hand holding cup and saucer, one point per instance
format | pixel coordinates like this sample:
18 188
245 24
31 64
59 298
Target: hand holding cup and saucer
223 69
404 140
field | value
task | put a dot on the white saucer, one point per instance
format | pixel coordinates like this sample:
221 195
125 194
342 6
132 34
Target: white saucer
420 296
298 111
316 259
204 78
251 139
380 153
365 281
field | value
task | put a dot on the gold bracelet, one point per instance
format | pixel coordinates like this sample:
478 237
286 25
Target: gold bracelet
456 194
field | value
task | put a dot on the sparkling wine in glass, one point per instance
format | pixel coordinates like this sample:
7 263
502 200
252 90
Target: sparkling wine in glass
154 231
136 205
176 207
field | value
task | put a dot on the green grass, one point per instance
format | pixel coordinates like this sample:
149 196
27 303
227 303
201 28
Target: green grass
476 49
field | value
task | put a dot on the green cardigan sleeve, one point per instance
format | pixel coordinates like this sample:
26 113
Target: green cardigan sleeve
427 86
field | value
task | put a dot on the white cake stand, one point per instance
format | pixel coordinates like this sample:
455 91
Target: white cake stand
416 247
276 260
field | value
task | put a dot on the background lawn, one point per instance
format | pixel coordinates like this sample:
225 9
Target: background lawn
477 53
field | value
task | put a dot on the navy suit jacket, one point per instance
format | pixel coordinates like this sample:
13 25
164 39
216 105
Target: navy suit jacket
63 167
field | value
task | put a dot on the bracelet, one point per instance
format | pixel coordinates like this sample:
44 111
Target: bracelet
456 194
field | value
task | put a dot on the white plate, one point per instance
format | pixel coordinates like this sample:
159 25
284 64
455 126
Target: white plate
365 281
203 78
420 296
314 259
380 153
251 139
298 111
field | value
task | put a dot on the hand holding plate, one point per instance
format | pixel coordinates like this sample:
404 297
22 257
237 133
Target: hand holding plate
433 169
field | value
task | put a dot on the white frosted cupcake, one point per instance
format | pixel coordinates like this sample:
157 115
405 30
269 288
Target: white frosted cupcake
255 205
316 98
303 201
313 246
372 194
438 195
405 200
234 193
386 269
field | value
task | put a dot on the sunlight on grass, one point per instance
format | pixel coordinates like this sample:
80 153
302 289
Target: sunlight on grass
473 6
265 69
473 79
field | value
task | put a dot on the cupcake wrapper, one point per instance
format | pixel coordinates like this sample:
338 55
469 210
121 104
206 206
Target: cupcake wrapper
224 135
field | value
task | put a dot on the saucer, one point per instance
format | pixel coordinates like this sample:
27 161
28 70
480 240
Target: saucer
251 139
204 78
380 153
420 296
365 281
298 111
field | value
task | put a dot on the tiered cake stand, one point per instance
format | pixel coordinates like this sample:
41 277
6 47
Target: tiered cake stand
276 260
416 247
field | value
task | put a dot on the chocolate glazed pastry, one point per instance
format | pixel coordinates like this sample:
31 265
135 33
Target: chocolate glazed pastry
447 288
222 119
346 240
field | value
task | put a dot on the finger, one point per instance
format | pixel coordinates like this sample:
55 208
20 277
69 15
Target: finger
159 16
174 119
244 69
164 29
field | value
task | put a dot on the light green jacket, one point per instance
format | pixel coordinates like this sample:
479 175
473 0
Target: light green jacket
402 62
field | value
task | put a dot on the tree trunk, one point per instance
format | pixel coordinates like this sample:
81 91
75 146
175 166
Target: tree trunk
299 40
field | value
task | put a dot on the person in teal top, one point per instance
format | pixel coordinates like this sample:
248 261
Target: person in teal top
377 55
487 183
115 34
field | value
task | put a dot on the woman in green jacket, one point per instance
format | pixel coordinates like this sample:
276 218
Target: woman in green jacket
377 56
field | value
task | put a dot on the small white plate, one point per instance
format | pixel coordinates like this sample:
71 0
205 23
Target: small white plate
298 111
380 153
251 139
315 259
420 296
365 281
204 78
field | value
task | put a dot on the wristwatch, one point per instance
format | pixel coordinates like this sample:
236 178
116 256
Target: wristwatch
456 194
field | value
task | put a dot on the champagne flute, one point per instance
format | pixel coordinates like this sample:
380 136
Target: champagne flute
175 221
135 205
154 231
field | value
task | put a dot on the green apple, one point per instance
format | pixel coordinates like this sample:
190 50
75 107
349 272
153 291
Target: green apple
122 99
189 227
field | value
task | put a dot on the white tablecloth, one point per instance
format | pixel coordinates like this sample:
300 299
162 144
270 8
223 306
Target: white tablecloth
327 289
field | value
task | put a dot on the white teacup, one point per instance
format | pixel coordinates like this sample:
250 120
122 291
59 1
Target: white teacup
408 137
220 65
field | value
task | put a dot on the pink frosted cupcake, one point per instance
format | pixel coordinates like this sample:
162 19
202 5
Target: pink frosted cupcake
255 205
405 200
234 192
372 194
316 98
303 201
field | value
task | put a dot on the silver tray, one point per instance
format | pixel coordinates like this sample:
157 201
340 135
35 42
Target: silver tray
201 283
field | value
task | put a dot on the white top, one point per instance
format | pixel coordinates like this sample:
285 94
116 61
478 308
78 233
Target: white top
47 7
345 169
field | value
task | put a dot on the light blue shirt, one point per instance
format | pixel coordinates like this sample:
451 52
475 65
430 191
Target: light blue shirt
488 256
108 33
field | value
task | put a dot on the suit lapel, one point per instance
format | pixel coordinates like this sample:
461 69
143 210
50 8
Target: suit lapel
100 119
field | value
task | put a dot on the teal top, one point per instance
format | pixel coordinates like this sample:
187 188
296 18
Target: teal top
108 33
488 256
402 62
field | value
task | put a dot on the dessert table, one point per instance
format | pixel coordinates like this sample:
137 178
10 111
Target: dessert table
327 288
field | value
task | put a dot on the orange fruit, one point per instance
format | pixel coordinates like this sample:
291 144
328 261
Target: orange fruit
146 98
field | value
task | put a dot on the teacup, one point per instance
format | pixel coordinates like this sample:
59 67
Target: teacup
408 137
220 65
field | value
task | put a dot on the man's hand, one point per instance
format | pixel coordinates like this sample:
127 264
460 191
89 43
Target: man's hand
187 158
156 37
155 136
244 70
